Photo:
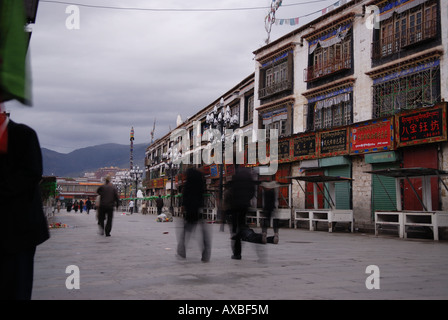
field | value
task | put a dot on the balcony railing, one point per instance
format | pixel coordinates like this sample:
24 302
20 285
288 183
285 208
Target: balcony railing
398 42
330 67
274 88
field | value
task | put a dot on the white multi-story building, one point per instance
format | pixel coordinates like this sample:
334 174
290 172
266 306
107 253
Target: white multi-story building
361 88
342 74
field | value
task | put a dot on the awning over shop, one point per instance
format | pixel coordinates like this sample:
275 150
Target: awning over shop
329 195
406 173
319 179
409 172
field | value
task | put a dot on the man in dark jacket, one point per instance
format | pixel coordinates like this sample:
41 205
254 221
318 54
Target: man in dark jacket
24 225
193 195
242 190
108 199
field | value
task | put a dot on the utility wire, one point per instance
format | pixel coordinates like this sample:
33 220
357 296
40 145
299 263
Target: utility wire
176 9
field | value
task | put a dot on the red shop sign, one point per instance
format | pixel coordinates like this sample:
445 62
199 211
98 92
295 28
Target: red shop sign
424 125
372 136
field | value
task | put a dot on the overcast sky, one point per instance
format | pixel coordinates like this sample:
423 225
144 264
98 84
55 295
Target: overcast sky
125 68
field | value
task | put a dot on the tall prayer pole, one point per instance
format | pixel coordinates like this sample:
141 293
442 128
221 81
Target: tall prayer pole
131 157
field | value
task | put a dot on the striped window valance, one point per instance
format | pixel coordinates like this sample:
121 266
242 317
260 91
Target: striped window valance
278 58
330 38
333 96
398 6
326 103
406 72
275 115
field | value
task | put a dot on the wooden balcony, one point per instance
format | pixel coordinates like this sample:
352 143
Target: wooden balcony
330 67
398 42
274 88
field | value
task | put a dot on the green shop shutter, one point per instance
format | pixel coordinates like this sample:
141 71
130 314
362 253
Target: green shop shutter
383 189
342 189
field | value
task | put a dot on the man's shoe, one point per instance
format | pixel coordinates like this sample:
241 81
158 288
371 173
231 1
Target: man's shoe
236 257
275 241
264 237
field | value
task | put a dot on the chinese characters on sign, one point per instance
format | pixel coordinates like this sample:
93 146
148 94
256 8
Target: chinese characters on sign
371 136
332 143
304 147
283 151
418 127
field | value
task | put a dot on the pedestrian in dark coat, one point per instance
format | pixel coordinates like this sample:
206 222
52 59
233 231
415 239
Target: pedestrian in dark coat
108 199
193 196
242 190
88 205
24 226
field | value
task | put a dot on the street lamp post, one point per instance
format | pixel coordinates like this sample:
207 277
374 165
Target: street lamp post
136 174
221 119
125 182
173 156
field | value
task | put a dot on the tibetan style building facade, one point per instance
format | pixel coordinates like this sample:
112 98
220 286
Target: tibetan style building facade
347 95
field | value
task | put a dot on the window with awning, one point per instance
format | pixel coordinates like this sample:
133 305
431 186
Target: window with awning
330 109
329 52
404 23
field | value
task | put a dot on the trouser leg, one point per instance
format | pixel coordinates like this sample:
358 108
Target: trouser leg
109 216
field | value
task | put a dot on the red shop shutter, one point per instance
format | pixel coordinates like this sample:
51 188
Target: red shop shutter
309 187
424 156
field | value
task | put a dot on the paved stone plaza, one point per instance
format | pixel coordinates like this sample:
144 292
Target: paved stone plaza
138 262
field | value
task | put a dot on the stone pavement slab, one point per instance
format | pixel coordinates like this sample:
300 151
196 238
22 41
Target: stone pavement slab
138 263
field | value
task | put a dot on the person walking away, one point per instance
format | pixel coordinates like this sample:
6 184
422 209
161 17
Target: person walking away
75 206
88 206
159 205
58 205
269 205
193 195
131 206
108 199
69 206
81 204
242 190
24 227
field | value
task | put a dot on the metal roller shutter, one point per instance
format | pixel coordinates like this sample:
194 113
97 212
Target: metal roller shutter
383 189
342 189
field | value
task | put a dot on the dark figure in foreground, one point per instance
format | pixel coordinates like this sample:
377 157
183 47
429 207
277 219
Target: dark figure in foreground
24 225
109 198
193 201
242 190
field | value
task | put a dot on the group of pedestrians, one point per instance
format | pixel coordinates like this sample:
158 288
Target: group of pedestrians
240 191
238 196
81 205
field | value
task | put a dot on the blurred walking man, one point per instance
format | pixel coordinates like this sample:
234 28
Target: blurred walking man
109 198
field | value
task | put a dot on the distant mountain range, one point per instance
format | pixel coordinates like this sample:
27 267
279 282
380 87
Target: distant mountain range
89 159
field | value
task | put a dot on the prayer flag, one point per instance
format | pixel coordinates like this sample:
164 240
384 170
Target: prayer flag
13 48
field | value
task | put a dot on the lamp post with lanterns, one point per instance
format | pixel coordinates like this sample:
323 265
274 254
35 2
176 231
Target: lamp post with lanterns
136 175
220 118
